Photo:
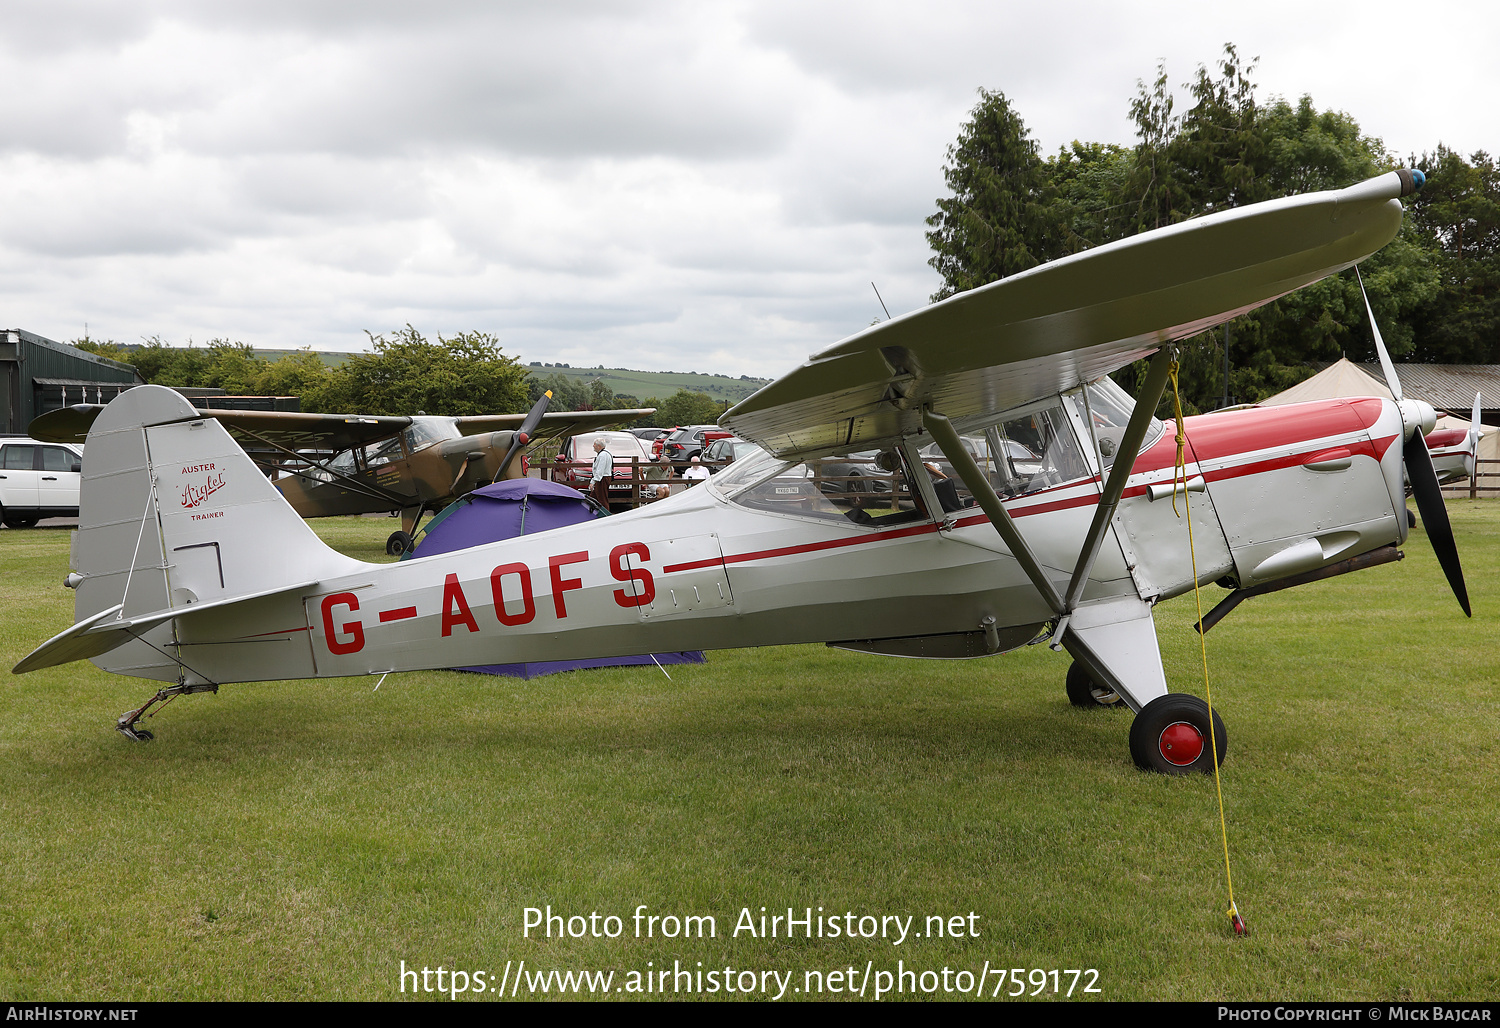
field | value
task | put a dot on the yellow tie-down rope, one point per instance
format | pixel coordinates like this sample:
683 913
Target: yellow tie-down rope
1180 473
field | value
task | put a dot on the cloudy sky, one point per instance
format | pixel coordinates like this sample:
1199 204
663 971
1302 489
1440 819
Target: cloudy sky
657 185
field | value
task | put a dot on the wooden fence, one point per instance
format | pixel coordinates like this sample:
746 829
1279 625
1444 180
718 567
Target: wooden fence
1483 483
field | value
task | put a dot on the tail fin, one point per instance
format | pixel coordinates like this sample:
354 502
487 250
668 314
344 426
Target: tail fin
174 515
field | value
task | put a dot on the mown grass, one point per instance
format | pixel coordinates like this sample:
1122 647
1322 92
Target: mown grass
298 840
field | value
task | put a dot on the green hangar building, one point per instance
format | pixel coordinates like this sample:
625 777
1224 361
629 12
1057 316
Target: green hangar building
38 375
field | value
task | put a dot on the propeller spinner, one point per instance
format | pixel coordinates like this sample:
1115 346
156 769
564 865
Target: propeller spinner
1417 418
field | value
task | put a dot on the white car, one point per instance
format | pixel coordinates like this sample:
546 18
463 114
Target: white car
38 480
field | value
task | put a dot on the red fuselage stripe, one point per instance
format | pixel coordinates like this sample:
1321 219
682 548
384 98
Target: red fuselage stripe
1214 439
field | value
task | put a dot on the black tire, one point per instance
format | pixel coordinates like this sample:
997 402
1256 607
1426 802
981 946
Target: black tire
1082 692
21 520
1170 735
398 544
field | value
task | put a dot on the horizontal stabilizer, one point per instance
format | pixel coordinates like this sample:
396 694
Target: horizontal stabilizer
97 634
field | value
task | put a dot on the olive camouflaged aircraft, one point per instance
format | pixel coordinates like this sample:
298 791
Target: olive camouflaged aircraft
334 464
1057 524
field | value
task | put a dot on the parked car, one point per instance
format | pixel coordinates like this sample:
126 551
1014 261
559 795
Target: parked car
576 460
648 435
38 480
688 441
725 451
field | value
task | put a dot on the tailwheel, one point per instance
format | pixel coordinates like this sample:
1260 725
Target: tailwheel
1084 692
1171 735
128 724
136 732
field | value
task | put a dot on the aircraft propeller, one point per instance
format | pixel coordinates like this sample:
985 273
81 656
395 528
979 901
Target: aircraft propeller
1416 418
523 434
1471 442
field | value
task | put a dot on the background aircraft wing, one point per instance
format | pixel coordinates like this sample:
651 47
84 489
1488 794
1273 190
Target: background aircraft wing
553 423
1060 324
324 432
331 432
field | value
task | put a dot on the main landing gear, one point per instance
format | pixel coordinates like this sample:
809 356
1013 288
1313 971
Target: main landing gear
1169 735
1083 692
129 723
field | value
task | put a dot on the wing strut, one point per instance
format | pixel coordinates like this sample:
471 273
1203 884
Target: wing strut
397 501
1114 639
942 430
1114 488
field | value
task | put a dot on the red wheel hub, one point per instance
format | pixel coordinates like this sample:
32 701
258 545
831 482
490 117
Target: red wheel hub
1180 744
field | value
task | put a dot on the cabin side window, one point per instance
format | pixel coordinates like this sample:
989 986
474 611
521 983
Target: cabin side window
871 487
1108 410
1021 455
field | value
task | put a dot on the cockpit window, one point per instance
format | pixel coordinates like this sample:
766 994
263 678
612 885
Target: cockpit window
424 431
1109 409
1022 455
869 487
383 452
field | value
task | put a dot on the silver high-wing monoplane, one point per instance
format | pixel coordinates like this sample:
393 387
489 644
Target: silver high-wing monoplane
1050 516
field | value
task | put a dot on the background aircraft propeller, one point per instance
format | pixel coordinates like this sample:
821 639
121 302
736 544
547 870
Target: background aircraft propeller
1415 416
523 434
1471 443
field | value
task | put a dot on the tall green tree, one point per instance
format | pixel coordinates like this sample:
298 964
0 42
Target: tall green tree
685 407
404 373
1457 218
998 220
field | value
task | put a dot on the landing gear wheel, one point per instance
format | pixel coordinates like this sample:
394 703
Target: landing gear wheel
133 730
1082 692
1170 735
398 544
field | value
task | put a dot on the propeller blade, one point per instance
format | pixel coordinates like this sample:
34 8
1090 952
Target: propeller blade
1391 381
1429 497
1472 442
1421 475
523 434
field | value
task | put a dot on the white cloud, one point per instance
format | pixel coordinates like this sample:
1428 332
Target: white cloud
676 185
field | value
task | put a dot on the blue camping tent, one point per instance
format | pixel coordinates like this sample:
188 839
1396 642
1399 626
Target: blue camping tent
514 507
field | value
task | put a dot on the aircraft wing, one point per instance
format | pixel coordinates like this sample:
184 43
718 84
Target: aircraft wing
331 432
1060 324
553 423
334 432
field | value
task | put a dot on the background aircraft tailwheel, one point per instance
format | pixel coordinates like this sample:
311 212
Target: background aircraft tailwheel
1170 735
397 544
1082 692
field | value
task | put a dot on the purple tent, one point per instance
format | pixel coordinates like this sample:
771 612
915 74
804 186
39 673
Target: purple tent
523 506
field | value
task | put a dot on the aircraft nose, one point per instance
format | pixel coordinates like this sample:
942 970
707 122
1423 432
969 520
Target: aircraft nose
1416 414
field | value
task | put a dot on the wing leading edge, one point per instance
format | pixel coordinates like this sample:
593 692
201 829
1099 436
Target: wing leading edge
1055 326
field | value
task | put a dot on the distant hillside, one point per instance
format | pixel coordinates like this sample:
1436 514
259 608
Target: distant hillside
660 384
640 384
332 358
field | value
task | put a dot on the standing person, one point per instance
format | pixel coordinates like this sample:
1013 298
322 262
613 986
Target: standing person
696 472
604 472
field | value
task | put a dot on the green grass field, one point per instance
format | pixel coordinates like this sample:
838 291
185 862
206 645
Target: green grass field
299 840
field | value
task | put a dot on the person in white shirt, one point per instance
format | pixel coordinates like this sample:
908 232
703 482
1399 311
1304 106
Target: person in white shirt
696 473
604 471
